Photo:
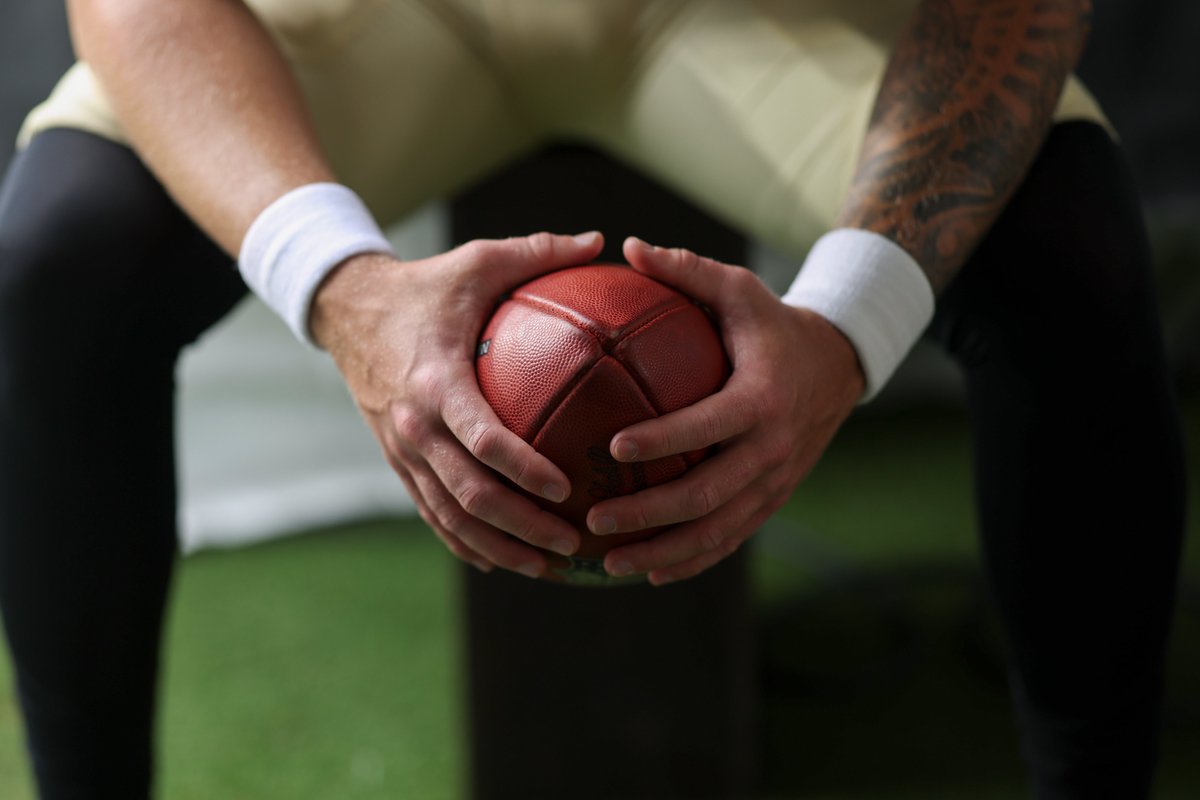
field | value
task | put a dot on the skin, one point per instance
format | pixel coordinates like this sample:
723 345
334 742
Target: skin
210 105
963 107
962 110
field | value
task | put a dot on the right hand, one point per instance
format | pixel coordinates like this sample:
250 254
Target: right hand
404 335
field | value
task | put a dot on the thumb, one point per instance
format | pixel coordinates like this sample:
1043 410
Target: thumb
522 258
698 277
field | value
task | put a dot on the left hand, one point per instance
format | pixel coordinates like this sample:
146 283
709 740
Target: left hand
795 379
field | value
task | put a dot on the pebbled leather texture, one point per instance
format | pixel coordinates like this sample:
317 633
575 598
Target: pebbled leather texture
573 357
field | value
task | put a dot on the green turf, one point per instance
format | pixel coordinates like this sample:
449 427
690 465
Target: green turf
329 666
324 667
883 664
319 667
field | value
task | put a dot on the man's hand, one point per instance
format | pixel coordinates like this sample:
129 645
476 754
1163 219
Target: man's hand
795 379
404 335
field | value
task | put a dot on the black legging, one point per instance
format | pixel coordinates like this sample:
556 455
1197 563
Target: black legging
1079 463
1079 460
102 282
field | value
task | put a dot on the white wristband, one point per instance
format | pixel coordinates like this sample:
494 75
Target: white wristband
298 239
873 291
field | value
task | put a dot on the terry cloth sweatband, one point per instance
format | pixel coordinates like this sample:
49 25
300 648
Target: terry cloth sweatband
868 287
297 240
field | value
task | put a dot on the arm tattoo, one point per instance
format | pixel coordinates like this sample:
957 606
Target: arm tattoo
962 110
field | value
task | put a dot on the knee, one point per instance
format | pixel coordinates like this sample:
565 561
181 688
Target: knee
47 292
79 218
35 256
1066 270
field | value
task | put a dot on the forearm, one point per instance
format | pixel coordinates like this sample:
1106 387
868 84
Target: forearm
208 102
962 110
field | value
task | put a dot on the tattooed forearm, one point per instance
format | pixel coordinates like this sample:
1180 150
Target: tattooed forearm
962 109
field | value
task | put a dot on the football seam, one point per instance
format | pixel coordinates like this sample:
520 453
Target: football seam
568 387
584 324
636 383
636 379
560 397
677 457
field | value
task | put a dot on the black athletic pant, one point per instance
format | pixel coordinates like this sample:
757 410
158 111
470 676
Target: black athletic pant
1078 450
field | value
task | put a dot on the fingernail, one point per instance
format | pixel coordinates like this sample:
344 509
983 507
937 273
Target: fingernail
585 239
625 450
554 493
661 580
620 569
530 570
482 566
604 525
564 547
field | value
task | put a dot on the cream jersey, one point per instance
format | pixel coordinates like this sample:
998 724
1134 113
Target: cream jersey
755 111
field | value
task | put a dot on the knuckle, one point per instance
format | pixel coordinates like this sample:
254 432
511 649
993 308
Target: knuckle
520 471
456 520
430 381
475 497
661 441
712 538
777 452
711 425
482 440
541 246
475 249
527 530
409 426
703 498
774 406
444 512
685 259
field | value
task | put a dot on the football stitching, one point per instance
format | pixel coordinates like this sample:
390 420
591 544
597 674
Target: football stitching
559 397
589 327
678 460
632 334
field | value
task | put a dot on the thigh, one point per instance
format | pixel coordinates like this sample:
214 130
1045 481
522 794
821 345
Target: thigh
407 99
1064 279
94 255
404 94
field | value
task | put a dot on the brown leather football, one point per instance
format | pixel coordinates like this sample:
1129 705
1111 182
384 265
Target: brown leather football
574 356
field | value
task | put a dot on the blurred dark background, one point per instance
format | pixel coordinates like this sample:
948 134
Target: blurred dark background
1143 64
34 52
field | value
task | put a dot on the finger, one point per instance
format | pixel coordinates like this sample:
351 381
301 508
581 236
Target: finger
712 420
521 258
454 544
692 568
474 423
687 541
701 491
482 496
704 561
494 545
703 279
